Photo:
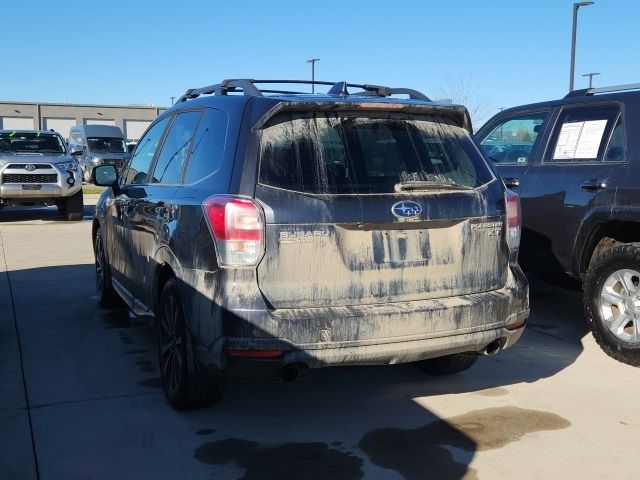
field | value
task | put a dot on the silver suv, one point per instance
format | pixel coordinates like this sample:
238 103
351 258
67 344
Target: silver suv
36 169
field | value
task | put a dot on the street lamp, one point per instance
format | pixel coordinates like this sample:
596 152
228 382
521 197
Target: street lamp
591 75
313 61
576 6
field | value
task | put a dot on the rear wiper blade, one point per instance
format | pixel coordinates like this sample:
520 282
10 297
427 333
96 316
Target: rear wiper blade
426 185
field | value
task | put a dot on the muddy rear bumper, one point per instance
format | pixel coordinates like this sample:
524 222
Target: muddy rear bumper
377 334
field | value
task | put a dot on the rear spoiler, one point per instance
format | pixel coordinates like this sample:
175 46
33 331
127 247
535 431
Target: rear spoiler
458 114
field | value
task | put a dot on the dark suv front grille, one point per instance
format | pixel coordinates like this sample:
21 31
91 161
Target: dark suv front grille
29 178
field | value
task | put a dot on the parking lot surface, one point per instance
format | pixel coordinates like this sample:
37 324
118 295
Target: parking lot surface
81 395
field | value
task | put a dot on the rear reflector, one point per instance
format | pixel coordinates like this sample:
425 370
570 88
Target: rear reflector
237 227
517 325
253 353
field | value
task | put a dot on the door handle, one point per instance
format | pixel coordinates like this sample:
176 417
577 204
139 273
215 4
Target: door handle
594 185
511 182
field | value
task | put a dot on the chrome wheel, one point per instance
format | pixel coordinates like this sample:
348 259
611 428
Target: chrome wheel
620 304
171 345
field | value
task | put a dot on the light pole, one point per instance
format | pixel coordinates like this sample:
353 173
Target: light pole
576 6
591 75
172 99
313 61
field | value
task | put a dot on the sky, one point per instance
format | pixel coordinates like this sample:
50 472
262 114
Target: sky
144 52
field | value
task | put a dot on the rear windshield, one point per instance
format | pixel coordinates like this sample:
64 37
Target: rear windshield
35 142
107 145
331 152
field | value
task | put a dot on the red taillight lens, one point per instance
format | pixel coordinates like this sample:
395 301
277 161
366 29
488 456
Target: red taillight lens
512 201
237 225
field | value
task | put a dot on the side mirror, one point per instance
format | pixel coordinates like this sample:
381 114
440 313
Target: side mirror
76 150
105 176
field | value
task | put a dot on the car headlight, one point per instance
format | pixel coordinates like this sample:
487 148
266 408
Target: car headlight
70 165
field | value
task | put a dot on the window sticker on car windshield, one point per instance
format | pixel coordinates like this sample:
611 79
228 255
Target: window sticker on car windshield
579 140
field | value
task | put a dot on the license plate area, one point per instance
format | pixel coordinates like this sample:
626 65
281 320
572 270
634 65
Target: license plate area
31 186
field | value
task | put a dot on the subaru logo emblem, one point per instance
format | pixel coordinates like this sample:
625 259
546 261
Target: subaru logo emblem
30 167
406 209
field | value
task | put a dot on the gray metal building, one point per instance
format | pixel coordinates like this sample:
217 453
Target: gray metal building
132 119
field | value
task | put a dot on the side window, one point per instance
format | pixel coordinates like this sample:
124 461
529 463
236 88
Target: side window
138 169
512 140
207 150
581 134
76 139
617 145
168 169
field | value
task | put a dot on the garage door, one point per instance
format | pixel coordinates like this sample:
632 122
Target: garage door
99 121
133 129
17 123
60 125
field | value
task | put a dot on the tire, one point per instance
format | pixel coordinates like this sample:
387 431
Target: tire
106 295
72 207
184 386
62 208
615 277
447 365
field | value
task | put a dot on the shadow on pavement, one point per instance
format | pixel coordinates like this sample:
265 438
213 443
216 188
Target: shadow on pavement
45 214
349 422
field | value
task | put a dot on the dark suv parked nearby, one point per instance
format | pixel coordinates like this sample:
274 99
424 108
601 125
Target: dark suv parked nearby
576 163
273 232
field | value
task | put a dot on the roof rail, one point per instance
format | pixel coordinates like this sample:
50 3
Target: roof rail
247 87
586 92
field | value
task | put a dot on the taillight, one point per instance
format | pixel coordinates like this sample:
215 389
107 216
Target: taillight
512 201
237 227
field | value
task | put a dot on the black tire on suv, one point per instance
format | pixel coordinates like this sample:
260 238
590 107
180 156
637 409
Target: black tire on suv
615 277
105 293
72 207
184 386
447 365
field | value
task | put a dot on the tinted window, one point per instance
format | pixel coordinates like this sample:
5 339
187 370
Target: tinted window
31 142
581 133
143 155
174 151
513 139
106 145
207 150
617 144
351 153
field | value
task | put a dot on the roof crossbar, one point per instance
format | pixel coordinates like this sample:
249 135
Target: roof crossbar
585 92
248 87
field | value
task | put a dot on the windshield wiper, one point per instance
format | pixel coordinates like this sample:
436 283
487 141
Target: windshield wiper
426 185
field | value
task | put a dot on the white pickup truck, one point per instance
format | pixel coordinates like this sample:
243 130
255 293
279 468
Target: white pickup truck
36 169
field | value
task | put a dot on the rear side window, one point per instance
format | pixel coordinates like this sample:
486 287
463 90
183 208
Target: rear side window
168 169
616 150
512 140
208 146
326 152
582 133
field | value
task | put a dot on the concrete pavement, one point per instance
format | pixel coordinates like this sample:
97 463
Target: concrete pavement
89 403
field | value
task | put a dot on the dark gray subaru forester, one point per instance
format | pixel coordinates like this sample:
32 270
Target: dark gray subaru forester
271 232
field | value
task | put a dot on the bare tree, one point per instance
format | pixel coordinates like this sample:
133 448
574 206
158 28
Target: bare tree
465 90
